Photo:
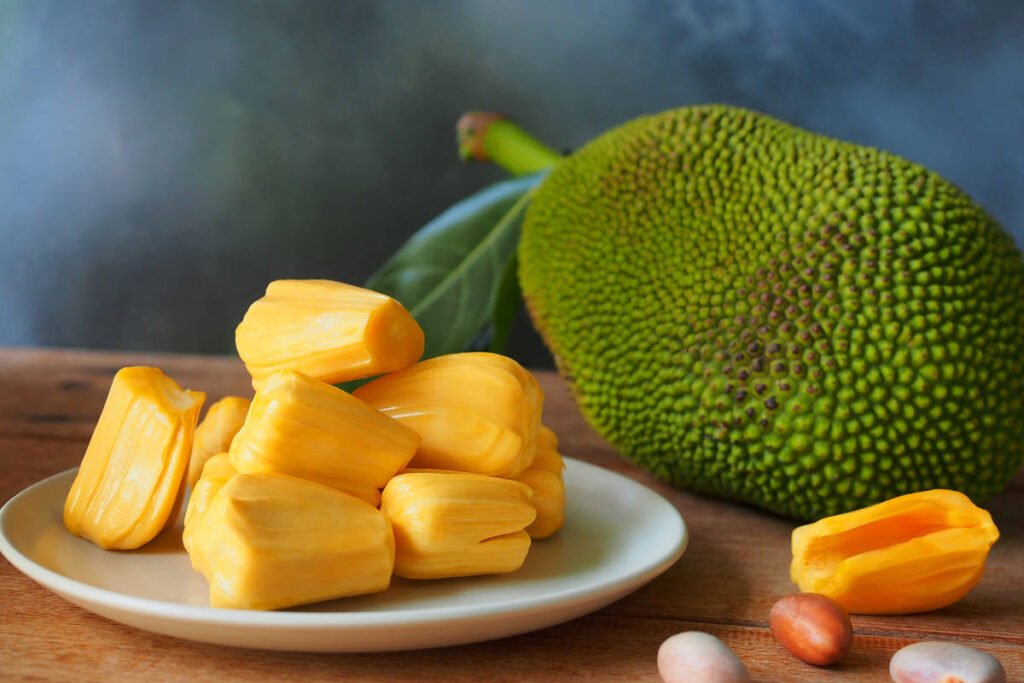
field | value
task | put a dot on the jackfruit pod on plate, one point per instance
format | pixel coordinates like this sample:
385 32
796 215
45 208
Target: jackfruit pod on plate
457 524
269 541
328 330
214 434
131 480
476 412
308 429
546 479
217 472
547 439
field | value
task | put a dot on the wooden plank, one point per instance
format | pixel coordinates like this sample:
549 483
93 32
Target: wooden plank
734 569
52 393
597 647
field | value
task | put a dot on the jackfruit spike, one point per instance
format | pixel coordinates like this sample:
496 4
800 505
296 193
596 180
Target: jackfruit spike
308 429
214 434
328 330
476 412
217 472
127 488
269 541
457 524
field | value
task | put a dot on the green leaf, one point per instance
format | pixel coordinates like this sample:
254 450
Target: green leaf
505 308
449 273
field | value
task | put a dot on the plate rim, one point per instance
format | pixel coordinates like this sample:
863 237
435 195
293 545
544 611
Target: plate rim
67 587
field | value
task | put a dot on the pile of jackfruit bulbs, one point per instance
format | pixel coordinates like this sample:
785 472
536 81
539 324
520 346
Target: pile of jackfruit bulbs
434 469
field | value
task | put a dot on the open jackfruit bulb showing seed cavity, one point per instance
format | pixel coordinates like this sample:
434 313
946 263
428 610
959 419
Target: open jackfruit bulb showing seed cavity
912 553
129 485
285 489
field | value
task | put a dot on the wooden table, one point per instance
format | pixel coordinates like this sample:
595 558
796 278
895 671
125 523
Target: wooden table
736 566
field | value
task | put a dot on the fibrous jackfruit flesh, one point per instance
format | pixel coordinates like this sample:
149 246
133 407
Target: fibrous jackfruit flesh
328 330
268 541
214 434
308 429
217 471
912 553
131 481
749 309
546 480
476 412
457 524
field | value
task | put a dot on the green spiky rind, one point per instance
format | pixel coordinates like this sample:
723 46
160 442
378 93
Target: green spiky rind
748 309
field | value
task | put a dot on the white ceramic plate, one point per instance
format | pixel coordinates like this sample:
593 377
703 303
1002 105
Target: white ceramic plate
618 535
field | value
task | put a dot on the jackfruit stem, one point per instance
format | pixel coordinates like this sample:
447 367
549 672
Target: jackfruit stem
487 136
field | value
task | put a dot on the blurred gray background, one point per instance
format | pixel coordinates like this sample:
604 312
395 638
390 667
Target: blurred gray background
160 162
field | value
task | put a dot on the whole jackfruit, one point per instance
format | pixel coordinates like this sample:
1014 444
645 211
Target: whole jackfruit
749 309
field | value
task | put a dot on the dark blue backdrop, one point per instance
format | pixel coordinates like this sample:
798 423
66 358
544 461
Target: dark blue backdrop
160 162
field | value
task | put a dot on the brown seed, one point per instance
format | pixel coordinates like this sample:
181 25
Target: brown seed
814 628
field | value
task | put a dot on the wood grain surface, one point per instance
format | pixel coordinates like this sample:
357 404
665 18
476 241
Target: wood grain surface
736 566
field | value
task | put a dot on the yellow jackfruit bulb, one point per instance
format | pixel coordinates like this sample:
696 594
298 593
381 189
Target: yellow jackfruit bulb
545 478
457 524
131 480
913 553
217 472
476 412
546 438
328 330
269 541
549 460
308 429
213 435
548 498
